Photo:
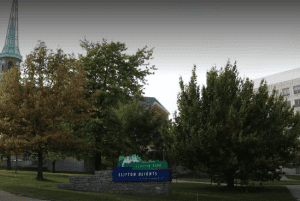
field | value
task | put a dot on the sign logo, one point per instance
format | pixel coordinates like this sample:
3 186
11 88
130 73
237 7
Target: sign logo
132 168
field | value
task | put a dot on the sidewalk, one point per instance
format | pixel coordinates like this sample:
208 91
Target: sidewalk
6 196
284 178
213 184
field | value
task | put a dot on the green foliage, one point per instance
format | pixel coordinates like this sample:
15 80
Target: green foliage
141 126
230 128
31 113
107 69
184 128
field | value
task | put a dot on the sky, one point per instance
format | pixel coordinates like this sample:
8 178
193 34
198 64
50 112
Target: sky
262 37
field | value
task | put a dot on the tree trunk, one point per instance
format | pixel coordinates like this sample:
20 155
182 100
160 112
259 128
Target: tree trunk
53 167
97 161
230 181
40 166
16 163
1 159
230 178
8 164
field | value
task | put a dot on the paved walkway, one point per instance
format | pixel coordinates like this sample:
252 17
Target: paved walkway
6 196
283 178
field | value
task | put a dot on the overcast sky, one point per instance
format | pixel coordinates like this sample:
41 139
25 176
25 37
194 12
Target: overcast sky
262 37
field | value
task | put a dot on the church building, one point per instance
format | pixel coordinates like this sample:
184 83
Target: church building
10 56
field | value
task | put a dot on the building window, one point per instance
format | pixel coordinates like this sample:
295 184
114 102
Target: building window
288 103
276 92
286 92
297 89
10 65
297 103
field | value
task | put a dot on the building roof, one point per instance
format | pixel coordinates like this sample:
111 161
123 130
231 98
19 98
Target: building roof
151 101
278 77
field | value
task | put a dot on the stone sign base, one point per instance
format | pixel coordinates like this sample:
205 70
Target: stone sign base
102 182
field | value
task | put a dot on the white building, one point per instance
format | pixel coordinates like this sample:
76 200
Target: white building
286 83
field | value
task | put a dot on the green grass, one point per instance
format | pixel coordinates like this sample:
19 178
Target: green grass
24 183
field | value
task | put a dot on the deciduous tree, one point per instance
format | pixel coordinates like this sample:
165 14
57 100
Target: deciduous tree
141 126
28 108
235 129
107 68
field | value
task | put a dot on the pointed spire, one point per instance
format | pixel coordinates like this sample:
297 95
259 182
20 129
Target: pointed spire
11 47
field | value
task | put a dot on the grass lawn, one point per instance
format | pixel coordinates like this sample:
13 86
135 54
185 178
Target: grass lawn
24 183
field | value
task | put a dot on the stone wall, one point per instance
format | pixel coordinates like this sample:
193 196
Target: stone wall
101 182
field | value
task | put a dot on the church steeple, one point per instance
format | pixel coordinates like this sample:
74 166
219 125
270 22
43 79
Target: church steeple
10 56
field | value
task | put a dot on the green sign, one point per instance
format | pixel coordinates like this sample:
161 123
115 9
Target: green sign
135 162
